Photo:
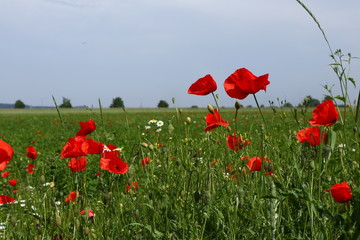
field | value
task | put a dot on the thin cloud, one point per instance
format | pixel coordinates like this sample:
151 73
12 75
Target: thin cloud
73 3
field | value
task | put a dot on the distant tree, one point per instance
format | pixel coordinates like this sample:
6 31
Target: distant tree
194 106
66 103
249 106
117 103
309 102
287 104
163 104
19 104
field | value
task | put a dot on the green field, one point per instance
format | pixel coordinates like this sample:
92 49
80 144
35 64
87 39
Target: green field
195 186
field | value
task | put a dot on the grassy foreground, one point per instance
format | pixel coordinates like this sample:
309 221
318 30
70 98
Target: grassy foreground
195 186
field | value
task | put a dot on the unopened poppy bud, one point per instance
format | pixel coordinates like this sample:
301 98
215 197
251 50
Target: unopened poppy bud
145 145
86 231
173 100
312 165
58 221
188 120
42 179
151 147
109 195
13 220
210 108
237 105
171 128
77 224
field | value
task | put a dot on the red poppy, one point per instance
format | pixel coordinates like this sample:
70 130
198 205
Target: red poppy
6 154
203 86
6 199
242 83
90 146
135 185
86 128
214 120
114 164
90 214
236 143
72 196
244 158
311 135
30 168
73 147
324 114
341 192
31 152
110 150
13 182
5 174
145 161
77 164
255 164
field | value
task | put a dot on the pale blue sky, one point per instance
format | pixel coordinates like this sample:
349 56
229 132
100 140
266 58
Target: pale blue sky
147 50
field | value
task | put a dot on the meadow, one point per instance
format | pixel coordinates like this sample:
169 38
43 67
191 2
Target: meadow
215 173
194 186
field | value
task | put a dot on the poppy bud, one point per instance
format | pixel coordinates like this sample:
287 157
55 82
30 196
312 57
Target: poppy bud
86 231
42 179
170 128
151 147
145 145
210 108
188 120
58 221
109 195
77 224
312 165
237 105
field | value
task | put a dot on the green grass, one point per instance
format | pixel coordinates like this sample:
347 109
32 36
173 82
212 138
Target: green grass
187 191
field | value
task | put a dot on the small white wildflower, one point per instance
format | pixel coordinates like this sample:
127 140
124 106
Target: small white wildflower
147 127
142 134
353 149
57 203
342 146
160 123
152 121
226 175
158 130
30 187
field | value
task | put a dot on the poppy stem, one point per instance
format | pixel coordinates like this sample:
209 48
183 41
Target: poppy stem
216 102
257 104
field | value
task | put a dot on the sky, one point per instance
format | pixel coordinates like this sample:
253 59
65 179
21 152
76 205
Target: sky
145 51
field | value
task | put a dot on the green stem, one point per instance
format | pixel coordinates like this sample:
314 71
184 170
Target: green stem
262 116
216 102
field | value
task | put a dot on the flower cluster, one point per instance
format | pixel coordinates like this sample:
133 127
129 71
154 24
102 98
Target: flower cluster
156 124
325 114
